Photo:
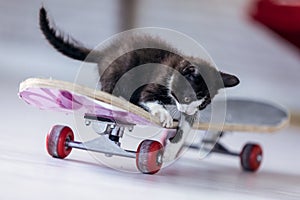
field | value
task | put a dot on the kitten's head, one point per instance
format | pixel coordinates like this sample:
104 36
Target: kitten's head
204 81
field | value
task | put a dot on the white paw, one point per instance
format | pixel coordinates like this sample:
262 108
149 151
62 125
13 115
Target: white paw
164 117
159 111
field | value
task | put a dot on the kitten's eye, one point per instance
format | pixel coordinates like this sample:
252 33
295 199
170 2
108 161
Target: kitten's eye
189 70
187 99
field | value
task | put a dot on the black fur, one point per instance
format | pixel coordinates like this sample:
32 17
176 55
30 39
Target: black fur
67 46
163 86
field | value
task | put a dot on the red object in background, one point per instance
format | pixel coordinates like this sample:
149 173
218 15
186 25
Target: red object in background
281 16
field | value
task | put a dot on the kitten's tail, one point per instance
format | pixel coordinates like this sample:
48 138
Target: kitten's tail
64 44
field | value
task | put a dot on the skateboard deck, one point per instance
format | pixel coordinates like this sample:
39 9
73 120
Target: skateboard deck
241 114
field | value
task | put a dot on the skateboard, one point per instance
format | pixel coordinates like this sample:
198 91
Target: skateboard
111 116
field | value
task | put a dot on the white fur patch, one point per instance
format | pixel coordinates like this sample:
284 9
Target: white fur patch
159 111
191 108
170 84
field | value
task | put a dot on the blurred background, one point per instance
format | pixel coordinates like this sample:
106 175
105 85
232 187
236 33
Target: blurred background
258 40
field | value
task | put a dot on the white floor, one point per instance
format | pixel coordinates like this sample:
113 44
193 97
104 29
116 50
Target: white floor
27 172
267 67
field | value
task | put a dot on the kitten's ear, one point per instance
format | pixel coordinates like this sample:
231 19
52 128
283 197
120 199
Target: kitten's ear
229 80
190 69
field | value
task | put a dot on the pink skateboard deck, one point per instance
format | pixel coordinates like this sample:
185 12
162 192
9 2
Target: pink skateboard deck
67 97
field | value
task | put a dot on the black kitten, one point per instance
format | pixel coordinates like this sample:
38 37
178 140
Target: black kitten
167 76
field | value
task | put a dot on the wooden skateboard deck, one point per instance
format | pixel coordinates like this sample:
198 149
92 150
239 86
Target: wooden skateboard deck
241 114
248 116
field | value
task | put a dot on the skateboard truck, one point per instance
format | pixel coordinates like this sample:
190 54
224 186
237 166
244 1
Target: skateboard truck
106 126
149 155
250 156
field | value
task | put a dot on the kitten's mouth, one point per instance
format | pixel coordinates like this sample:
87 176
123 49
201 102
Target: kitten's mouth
190 109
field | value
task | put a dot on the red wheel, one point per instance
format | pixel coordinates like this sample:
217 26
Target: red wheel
56 141
251 157
149 156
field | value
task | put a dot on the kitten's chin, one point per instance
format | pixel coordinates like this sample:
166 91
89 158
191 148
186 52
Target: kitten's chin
191 112
189 109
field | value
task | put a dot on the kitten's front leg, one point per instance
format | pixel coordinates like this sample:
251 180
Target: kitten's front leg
159 111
